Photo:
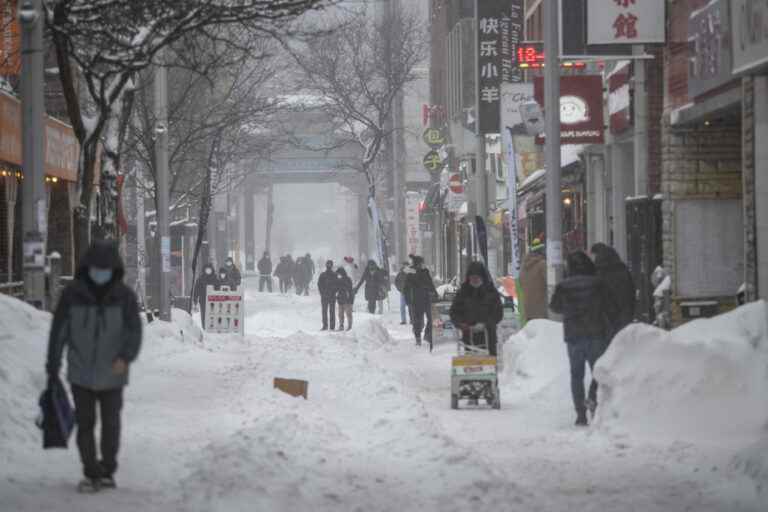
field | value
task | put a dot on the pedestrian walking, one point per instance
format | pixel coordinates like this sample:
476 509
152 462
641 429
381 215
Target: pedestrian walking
421 293
400 286
264 267
207 278
281 273
533 281
327 286
345 296
97 321
619 280
477 303
587 306
374 287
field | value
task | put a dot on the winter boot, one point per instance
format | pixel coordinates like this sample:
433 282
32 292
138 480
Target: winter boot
581 418
108 482
89 485
418 341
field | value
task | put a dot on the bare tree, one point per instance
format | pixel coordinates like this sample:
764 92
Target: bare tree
102 44
358 70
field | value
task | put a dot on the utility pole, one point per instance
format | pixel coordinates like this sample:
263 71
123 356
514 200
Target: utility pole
641 125
161 164
552 155
35 211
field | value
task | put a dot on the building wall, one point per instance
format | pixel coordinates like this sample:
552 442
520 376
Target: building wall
700 163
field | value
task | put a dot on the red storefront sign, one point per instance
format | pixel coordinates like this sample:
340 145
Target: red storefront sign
581 108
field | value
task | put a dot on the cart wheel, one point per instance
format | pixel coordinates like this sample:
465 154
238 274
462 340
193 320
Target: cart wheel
454 401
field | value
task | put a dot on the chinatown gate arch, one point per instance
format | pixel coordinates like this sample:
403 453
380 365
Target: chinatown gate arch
244 231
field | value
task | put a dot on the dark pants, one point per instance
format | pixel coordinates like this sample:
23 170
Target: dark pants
419 311
265 280
110 404
329 308
372 306
284 285
582 351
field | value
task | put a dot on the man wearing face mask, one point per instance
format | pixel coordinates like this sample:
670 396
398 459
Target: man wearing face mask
420 294
97 321
233 277
477 302
206 279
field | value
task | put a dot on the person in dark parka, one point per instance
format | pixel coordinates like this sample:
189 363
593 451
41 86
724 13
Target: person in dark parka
477 302
282 274
234 278
327 285
345 296
617 276
587 304
264 266
97 321
420 292
375 285
207 278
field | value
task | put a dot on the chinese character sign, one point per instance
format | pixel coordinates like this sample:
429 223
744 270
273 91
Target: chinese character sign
492 22
625 21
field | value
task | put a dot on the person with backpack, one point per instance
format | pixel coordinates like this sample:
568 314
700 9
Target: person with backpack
97 322
345 296
327 285
587 305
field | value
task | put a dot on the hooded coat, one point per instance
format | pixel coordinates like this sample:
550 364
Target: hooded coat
265 265
203 282
96 324
477 305
327 284
585 301
533 280
344 291
375 282
619 280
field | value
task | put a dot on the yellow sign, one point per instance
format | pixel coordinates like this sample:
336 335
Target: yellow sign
434 137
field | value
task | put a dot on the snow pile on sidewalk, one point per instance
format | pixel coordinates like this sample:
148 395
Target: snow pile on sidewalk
23 347
370 333
535 357
181 328
705 381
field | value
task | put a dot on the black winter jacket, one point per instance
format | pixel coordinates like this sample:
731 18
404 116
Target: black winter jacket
265 266
203 282
327 284
477 305
97 325
587 306
375 284
419 288
344 292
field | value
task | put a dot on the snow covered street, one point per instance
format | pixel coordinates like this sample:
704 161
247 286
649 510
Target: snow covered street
204 430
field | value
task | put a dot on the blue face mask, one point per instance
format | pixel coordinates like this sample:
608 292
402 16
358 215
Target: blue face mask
100 276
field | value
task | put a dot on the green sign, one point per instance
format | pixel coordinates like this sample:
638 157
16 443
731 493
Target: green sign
434 137
433 163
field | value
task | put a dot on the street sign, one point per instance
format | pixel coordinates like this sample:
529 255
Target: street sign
433 163
434 137
456 185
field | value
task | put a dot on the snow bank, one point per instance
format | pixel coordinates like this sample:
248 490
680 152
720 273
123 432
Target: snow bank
707 379
181 328
370 333
535 357
23 347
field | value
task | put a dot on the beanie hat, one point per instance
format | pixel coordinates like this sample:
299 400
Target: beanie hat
536 245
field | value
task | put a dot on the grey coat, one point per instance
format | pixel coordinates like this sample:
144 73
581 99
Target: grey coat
97 325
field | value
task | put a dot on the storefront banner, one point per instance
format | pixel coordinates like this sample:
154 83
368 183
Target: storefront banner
625 21
581 108
511 204
619 101
709 34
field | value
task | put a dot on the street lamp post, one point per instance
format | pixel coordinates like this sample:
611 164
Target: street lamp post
35 211
161 156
